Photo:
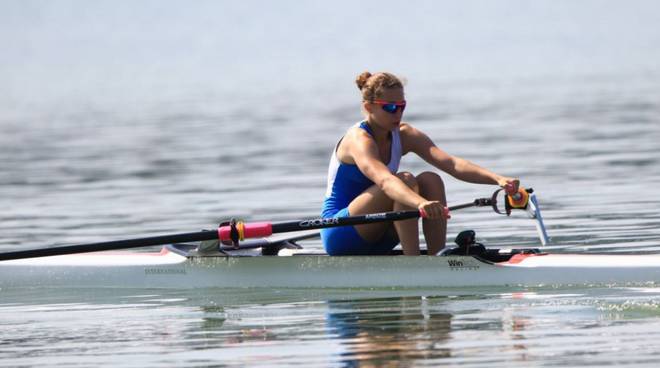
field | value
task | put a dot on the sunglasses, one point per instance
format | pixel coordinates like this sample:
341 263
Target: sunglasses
391 107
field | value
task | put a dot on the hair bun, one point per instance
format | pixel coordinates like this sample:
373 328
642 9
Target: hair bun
362 79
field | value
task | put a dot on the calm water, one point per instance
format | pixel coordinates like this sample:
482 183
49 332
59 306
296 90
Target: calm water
132 119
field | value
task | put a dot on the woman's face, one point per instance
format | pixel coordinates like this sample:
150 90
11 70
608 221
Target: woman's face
377 110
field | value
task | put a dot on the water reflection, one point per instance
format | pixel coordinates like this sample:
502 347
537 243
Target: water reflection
349 328
388 332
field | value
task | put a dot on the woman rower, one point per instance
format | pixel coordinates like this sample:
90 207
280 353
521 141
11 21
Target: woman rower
363 177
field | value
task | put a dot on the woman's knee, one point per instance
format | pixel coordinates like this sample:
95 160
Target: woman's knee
430 178
431 186
409 179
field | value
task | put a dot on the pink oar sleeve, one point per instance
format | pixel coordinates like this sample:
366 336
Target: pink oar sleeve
246 231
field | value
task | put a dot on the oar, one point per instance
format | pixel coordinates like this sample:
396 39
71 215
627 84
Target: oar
237 231
234 232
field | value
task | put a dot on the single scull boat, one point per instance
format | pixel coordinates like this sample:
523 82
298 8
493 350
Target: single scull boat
272 262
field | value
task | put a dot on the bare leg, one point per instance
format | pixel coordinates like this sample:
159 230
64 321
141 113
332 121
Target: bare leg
374 200
408 230
432 188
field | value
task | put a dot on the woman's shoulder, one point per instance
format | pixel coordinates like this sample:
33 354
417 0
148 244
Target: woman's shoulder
406 129
357 132
412 139
354 137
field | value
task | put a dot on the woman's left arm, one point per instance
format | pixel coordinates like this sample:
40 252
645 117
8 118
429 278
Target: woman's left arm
414 140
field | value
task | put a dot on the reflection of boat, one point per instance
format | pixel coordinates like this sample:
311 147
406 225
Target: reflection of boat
394 331
176 266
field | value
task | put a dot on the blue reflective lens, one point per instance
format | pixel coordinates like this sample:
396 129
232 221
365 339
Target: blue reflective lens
391 108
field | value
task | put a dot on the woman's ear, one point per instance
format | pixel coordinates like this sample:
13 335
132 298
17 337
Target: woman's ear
367 106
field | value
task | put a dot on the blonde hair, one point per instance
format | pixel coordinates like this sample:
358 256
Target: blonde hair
373 85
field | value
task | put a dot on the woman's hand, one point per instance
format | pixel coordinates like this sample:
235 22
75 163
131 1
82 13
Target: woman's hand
510 185
434 210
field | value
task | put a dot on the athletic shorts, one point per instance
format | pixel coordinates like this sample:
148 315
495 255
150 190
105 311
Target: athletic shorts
345 241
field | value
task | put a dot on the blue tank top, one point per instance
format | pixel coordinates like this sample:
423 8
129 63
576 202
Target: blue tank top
346 181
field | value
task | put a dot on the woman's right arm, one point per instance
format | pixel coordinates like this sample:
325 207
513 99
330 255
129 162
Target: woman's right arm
364 152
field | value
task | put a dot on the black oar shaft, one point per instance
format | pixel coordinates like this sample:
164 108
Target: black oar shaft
476 203
111 245
321 223
256 230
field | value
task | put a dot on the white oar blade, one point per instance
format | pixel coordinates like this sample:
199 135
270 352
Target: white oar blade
534 211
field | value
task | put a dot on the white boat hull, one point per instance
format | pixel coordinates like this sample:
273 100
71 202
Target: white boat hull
171 270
